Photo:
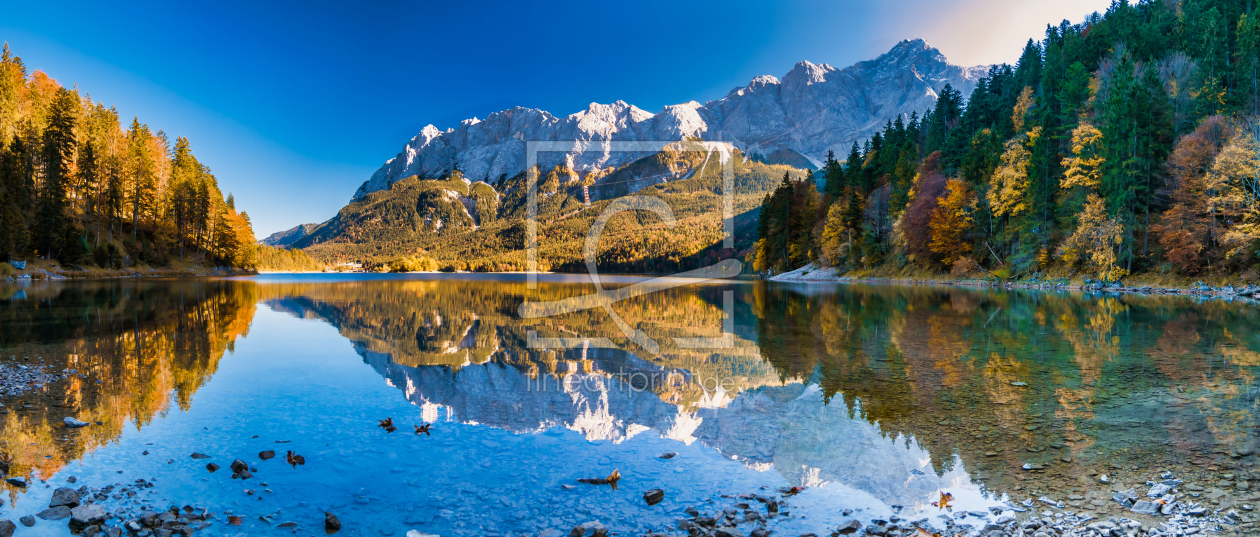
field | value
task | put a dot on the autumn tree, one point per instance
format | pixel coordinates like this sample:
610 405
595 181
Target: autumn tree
1083 170
1096 241
1008 193
929 186
73 182
1233 186
952 222
1187 230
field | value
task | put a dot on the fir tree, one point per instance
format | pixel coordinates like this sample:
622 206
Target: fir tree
51 224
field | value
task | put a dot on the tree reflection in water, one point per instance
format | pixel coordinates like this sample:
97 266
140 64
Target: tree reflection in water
998 378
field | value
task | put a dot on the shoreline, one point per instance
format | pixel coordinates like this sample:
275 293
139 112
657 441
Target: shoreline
812 274
14 276
809 274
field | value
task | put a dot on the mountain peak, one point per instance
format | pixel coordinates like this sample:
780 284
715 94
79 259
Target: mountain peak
912 50
763 80
812 109
808 72
915 44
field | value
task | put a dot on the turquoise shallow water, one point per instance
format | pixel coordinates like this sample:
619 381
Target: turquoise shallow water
849 410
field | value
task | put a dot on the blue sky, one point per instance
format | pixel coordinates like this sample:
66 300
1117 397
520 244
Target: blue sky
294 104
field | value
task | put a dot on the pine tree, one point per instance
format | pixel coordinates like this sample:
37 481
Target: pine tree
59 146
14 198
853 165
833 177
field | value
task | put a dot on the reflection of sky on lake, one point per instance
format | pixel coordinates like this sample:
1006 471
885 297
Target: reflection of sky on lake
868 396
500 468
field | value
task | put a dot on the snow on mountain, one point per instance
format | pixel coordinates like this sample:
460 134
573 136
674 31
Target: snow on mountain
813 109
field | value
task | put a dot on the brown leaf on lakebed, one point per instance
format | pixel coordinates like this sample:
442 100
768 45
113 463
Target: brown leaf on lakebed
610 480
944 502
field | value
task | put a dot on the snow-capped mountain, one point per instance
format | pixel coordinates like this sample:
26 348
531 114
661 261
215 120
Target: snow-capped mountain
813 109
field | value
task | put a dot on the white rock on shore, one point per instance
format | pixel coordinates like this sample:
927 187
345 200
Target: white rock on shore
810 273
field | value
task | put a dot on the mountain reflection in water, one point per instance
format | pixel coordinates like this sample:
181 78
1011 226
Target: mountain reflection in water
853 384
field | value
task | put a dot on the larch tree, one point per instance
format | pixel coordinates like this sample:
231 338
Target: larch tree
1096 241
1233 187
953 222
1187 230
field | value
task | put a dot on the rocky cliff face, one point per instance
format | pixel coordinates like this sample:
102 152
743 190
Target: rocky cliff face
813 109
282 239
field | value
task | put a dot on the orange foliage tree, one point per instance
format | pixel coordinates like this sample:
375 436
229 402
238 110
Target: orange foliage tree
1186 230
952 222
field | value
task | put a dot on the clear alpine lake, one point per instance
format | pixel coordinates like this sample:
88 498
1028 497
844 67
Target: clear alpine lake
871 398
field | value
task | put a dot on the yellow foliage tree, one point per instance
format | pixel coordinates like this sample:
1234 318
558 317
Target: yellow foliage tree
1022 106
761 256
1084 167
952 221
1096 241
1010 180
835 236
1233 188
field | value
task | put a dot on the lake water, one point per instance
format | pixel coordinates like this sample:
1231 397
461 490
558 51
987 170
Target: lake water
872 398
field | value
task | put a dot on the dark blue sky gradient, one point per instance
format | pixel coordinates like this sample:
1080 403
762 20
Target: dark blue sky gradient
294 104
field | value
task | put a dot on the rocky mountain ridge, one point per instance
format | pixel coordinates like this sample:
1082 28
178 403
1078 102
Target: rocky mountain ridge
813 109
282 239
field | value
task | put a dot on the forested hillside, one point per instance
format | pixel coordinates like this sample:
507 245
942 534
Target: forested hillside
1128 143
453 223
78 187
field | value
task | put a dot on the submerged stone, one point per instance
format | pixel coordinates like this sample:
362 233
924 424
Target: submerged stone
654 496
64 496
54 513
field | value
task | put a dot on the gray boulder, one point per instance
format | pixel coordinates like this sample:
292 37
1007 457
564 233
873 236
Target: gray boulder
1143 507
54 513
88 515
64 496
852 526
